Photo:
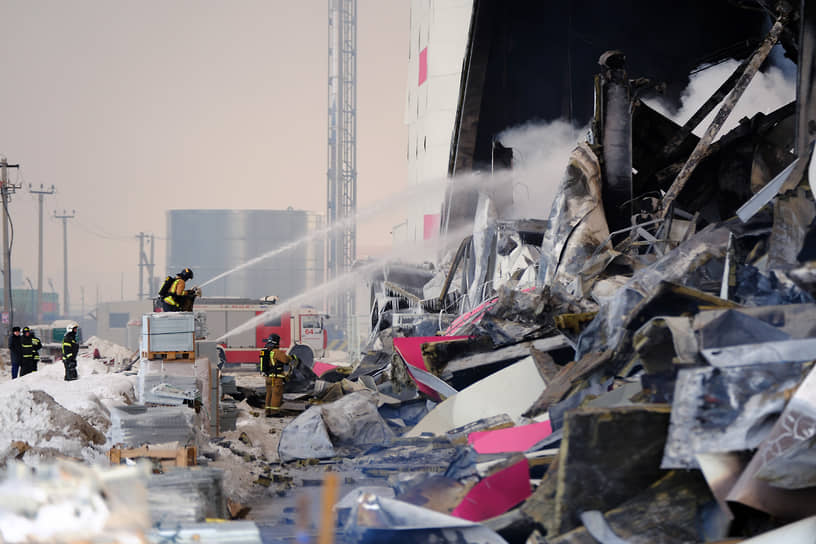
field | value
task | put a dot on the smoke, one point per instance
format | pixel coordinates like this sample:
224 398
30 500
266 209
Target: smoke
767 92
541 151
416 252
411 198
540 156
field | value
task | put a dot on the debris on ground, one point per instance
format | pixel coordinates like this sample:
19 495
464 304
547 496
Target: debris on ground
637 366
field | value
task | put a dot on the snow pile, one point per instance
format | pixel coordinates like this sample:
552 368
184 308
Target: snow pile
113 355
33 424
43 416
66 501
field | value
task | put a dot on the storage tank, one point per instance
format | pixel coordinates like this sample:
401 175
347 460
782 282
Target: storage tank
212 242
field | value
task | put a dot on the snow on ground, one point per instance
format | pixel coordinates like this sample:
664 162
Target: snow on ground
117 356
242 463
54 417
43 417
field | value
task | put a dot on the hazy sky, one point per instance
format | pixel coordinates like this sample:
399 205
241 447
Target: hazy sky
131 108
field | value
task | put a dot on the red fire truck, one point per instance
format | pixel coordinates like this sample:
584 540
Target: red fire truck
296 326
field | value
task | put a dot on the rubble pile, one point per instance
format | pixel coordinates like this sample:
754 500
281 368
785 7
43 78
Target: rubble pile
638 367
635 367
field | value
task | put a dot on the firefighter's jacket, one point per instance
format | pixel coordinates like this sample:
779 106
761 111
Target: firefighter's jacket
176 290
31 349
274 362
70 347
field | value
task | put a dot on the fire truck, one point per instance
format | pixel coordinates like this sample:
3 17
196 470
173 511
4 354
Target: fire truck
295 326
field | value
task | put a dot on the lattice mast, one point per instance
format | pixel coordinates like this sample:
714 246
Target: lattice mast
341 196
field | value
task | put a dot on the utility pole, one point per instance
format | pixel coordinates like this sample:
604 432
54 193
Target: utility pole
41 192
145 263
65 217
6 189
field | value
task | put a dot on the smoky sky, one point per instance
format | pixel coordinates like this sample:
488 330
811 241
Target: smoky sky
133 108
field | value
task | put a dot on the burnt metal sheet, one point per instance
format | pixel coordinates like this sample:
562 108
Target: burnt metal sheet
509 353
484 241
787 458
618 449
795 320
615 315
671 511
786 351
766 194
733 328
578 223
725 409
721 471
793 212
379 519
760 495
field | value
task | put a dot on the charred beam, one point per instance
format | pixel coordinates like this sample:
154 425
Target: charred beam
699 151
678 139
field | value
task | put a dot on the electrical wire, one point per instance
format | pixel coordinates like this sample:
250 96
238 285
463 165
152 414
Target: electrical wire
100 233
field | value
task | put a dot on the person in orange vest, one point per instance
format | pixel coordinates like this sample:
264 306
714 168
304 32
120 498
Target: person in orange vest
276 365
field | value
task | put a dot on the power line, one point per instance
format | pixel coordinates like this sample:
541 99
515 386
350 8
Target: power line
100 233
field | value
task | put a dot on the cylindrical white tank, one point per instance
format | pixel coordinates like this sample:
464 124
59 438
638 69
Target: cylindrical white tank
212 242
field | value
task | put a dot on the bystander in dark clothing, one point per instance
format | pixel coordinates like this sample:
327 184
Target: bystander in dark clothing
70 348
15 345
31 352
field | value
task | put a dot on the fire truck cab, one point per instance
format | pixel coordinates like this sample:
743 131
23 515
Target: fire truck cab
297 326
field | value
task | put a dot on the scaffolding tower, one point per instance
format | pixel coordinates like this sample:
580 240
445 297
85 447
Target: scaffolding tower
341 197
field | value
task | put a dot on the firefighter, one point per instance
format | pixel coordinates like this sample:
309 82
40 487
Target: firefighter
276 365
31 351
70 348
16 350
177 298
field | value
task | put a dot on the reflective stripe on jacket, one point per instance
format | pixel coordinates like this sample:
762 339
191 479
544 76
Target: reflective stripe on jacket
176 289
30 346
70 347
272 363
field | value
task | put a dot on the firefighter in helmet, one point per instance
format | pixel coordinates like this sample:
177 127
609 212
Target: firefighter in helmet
276 365
31 351
179 299
70 348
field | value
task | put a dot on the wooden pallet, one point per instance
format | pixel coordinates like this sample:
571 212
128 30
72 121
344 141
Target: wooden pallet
165 457
170 355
